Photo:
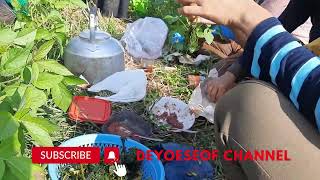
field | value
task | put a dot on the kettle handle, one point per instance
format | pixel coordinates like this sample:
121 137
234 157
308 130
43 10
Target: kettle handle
93 23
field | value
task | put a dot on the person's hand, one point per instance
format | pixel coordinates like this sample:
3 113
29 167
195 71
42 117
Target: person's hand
241 16
221 12
217 87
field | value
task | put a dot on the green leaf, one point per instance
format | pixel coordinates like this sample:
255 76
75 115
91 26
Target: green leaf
5 105
7 36
61 28
8 125
70 3
27 74
61 39
2 168
12 95
39 135
42 123
35 72
33 98
208 36
47 80
37 172
18 168
43 50
14 145
25 37
20 114
44 34
73 80
61 96
15 100
3 48
55 67
10 90
55 16
19 25
171 19
14 60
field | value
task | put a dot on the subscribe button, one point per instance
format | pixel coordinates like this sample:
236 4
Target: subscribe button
74 155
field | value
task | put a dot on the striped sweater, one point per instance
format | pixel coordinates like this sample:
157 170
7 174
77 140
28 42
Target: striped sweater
274 55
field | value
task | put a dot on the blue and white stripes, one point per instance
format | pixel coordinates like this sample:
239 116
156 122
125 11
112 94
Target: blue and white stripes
276 61
255 68
277 57
300 77
317 113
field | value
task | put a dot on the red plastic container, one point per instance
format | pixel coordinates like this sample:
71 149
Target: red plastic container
84 108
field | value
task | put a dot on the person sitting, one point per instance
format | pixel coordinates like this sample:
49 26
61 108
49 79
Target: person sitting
281 109
291 20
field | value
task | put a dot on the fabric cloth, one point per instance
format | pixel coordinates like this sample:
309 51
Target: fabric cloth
256 116
7 15
296 19
297 13
273 55
293 16
186 170
229 52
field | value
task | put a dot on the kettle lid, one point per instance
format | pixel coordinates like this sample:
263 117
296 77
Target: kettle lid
99 35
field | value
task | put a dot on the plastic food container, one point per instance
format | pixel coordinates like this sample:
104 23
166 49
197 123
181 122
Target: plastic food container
84 108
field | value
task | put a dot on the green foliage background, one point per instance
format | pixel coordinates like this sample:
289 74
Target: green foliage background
30 75
194 33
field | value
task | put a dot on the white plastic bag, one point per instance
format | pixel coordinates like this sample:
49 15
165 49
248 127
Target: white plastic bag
145 38
200 105
129 86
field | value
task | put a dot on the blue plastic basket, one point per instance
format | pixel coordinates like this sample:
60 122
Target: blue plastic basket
152 169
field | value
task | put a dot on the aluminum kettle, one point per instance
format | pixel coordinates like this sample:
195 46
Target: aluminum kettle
94 54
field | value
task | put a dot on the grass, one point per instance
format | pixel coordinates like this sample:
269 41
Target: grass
160 83
167 79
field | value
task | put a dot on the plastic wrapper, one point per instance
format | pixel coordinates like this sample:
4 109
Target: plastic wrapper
145 38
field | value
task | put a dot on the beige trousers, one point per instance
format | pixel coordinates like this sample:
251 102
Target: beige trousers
256 116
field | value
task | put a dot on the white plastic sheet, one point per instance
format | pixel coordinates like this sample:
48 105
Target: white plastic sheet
129 86
145 38
200 104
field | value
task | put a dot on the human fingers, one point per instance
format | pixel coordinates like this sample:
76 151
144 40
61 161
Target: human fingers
191 11
188 2
213 93
209 86
205 21
220 93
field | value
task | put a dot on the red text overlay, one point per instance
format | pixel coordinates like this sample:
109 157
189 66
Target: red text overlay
91 155
206 155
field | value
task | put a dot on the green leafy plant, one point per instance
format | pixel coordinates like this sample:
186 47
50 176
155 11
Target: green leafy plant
30 75
153 8
193 34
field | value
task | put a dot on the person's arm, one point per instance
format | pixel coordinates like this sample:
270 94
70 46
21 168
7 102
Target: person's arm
271 53
237 70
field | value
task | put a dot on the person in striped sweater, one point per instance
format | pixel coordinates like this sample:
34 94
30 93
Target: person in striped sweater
280 109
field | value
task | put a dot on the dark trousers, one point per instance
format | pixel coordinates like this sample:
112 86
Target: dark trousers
298 12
